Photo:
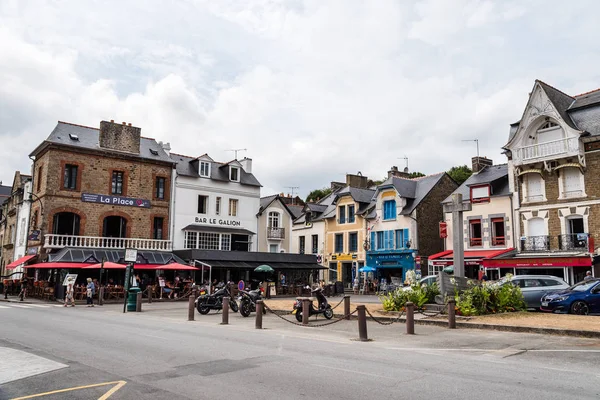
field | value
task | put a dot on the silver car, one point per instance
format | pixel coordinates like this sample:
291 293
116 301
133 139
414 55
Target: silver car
534 287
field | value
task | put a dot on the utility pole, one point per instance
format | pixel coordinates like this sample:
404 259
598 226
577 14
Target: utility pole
405 159
292 188
477 143
236 151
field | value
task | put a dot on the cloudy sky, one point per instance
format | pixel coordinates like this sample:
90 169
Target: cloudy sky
313 89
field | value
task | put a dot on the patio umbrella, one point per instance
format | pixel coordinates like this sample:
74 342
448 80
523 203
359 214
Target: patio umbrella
367 269
449 269
264 268
107 265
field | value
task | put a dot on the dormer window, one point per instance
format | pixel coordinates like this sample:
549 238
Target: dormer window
234 174
204 169
480 194
74 137
153 152
548 125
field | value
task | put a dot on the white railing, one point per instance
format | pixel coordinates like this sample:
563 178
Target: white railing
95 242
560 147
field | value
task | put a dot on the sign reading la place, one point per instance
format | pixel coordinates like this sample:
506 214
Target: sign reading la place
214 221
115 200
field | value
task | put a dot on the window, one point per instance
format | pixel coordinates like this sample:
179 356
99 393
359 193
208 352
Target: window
39 178
351 217
572 183
191 240
117 182
159 192
549 132
204 169
333 272
480 194
70 177
315 244
209 241
353 242
389 210
233 207
234 174
339 243
401 238
157 228
498 232
65 223
575 225
273 248
342 214
218 206
273 219
114 227
380 243
302 244
475 232
202 204
534 187
388 239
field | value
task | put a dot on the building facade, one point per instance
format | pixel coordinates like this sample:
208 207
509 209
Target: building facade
275 220
13 221
554 175
488 228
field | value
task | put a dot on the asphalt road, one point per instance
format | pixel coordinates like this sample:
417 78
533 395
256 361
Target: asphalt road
158 354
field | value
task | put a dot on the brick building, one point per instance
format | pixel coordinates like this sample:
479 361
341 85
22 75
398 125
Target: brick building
554 176
106 188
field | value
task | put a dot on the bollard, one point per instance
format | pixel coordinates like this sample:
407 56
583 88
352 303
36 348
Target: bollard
347 306
138 302
259 314
150 290
225 320
451 314
410 318
362 323
101 296
305 310
191 308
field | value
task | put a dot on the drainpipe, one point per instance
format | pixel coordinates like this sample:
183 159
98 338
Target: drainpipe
172 207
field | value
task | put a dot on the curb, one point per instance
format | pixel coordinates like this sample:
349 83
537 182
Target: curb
15 301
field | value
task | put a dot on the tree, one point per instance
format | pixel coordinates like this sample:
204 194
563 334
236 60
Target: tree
460 173
414 175
318 194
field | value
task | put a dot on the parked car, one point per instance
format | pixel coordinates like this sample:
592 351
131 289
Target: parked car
428 280
582 298
534 287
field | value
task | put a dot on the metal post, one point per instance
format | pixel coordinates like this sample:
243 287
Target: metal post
225 320
138 302
191 308
451 314
410 318
305 310
362 323
347 306
101 296
259 314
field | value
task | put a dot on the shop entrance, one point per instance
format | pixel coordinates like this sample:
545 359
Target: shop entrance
347 274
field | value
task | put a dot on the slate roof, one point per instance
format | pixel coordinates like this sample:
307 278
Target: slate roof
79 255
186 167
496 176
424 186
295 210
88 139
5 192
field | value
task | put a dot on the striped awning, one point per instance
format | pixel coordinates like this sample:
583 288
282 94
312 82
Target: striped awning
570 165
531 171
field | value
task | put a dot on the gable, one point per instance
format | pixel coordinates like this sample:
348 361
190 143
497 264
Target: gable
205 157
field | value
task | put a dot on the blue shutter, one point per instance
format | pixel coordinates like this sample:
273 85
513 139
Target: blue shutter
405 237
373 244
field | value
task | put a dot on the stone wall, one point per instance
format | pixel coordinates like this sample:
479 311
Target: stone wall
120 137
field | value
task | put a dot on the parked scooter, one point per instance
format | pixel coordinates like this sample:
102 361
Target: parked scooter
324 307
248 301
215 301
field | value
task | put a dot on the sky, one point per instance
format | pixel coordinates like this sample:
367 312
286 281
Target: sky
312 89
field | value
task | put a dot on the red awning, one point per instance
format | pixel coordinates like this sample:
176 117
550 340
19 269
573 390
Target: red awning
538 262
58 265
107 265
472 257
18 262
172 266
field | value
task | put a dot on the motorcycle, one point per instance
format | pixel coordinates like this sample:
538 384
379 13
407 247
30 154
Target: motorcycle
324 307
248 301
215 301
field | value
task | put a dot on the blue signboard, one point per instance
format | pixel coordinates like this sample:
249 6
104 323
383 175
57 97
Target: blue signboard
114 200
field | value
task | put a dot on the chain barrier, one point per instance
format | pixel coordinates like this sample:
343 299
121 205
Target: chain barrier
385 323
310 326
429 315
338 304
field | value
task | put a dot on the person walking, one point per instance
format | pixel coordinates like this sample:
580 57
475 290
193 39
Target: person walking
588 276
69 298
23 293
91 290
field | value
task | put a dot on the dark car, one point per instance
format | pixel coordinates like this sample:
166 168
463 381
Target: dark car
582 298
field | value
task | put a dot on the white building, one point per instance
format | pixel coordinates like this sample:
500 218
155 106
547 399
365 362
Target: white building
275 219
214 204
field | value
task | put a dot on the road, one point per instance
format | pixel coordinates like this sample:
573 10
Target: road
158 354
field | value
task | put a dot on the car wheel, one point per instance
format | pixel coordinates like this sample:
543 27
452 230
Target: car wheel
580 308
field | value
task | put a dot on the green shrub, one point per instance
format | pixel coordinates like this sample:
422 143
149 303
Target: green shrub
418 295
489 299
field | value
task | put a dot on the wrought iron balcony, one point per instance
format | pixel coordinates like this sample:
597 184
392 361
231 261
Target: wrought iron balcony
276 233
94 242
548 151
573 242
535 243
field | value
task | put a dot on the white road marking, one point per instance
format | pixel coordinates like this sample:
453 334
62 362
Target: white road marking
4 307
17 364
19 306
496 350
39 305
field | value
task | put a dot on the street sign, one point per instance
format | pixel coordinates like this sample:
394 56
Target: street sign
241 285
319 258
131 255
443 230
418 259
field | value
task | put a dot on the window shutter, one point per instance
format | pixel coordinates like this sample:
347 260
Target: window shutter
405 237
373 244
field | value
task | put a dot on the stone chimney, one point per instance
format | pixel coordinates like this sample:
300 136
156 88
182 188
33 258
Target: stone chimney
166 147
478 163
337 185
247 164
357 181
120 137
398 174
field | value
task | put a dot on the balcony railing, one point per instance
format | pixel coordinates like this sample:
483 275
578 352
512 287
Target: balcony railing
474 242
498 241
535 243
95 242
275 233
548 150
577 241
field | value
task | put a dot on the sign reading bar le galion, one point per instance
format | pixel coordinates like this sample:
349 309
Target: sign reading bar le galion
114 200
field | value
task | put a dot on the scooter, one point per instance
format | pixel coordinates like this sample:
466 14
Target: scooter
324 307
215 301
248 301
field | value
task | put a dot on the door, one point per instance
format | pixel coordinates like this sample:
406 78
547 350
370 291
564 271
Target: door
347 274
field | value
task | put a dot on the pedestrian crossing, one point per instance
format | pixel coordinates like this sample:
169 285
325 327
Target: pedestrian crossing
6 306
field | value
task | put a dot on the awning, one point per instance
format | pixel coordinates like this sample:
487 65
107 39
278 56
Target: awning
107 265
474 257
58 265
18 262
252 265
538 262
217 229
170 267
531 171
570 165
